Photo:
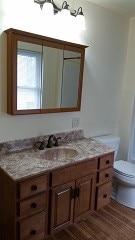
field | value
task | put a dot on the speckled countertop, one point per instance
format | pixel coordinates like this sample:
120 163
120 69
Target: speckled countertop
30 162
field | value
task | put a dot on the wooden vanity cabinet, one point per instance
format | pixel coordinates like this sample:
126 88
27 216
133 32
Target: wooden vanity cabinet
38 206
75 199
104 180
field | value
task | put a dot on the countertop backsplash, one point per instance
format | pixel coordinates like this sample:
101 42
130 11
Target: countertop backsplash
29 143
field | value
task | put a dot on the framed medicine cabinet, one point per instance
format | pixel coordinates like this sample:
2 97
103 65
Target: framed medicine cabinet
44 75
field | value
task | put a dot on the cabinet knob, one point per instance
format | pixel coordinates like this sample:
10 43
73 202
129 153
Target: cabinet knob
34 187
106 175
105 196
33 232
107 161
33 205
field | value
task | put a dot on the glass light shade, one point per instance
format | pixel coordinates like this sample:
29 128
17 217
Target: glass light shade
65 12
80 19
48 9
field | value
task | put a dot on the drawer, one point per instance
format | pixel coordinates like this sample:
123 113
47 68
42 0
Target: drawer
106 161
71 173
33 186
103 194
33 228
105 175
31 206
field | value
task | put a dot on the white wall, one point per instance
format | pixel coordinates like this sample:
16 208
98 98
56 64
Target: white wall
104 70
128 95
106 35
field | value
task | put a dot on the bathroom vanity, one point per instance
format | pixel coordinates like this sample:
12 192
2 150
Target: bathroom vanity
40 197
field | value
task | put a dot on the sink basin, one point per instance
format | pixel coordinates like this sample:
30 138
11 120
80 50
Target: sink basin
59 153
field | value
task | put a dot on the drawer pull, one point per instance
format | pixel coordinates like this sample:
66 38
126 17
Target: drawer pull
33 205
33 232
106 175
34 187
107 161
105 196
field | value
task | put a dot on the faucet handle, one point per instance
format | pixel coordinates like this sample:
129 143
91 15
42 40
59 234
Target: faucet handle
56 144
42 145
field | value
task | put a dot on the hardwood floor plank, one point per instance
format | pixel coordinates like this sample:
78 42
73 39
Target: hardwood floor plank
74 231
50 238
129 212
124 219
100 229
63 235
81 228
115 226
91 231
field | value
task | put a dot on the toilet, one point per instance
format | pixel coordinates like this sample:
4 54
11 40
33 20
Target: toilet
123 186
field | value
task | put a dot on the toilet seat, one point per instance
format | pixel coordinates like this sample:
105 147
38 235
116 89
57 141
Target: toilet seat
125 168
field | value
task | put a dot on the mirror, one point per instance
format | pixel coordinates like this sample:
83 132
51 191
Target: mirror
70 84
46 76
60 86
52 77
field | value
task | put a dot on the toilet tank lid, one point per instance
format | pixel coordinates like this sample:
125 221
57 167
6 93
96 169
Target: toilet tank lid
107 138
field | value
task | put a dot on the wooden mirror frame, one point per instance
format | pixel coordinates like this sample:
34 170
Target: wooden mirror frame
13 36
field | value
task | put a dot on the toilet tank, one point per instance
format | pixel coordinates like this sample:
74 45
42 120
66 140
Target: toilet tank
110 140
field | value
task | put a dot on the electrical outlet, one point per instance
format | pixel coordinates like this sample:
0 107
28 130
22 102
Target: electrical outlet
75 122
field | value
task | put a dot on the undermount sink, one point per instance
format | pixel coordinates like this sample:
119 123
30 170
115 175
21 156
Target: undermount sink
61 153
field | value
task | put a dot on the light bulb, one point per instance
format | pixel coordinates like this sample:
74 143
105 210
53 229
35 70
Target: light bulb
65 12
80 20
48 9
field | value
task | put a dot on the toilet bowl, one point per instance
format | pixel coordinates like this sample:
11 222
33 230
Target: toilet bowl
123 186
124 183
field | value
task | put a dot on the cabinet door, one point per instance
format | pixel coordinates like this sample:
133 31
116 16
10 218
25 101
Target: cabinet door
85 197
62 206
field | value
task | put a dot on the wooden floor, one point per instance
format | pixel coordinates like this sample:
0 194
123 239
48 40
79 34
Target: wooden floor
113 222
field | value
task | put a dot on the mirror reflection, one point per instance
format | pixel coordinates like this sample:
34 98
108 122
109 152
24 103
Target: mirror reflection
70 83
52 77
29 62
47 77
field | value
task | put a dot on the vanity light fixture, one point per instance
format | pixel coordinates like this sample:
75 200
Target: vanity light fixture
65 9
80 18
50 7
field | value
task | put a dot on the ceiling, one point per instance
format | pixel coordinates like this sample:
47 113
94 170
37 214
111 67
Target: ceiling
125 7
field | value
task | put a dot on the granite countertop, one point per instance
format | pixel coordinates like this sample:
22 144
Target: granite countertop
27 163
